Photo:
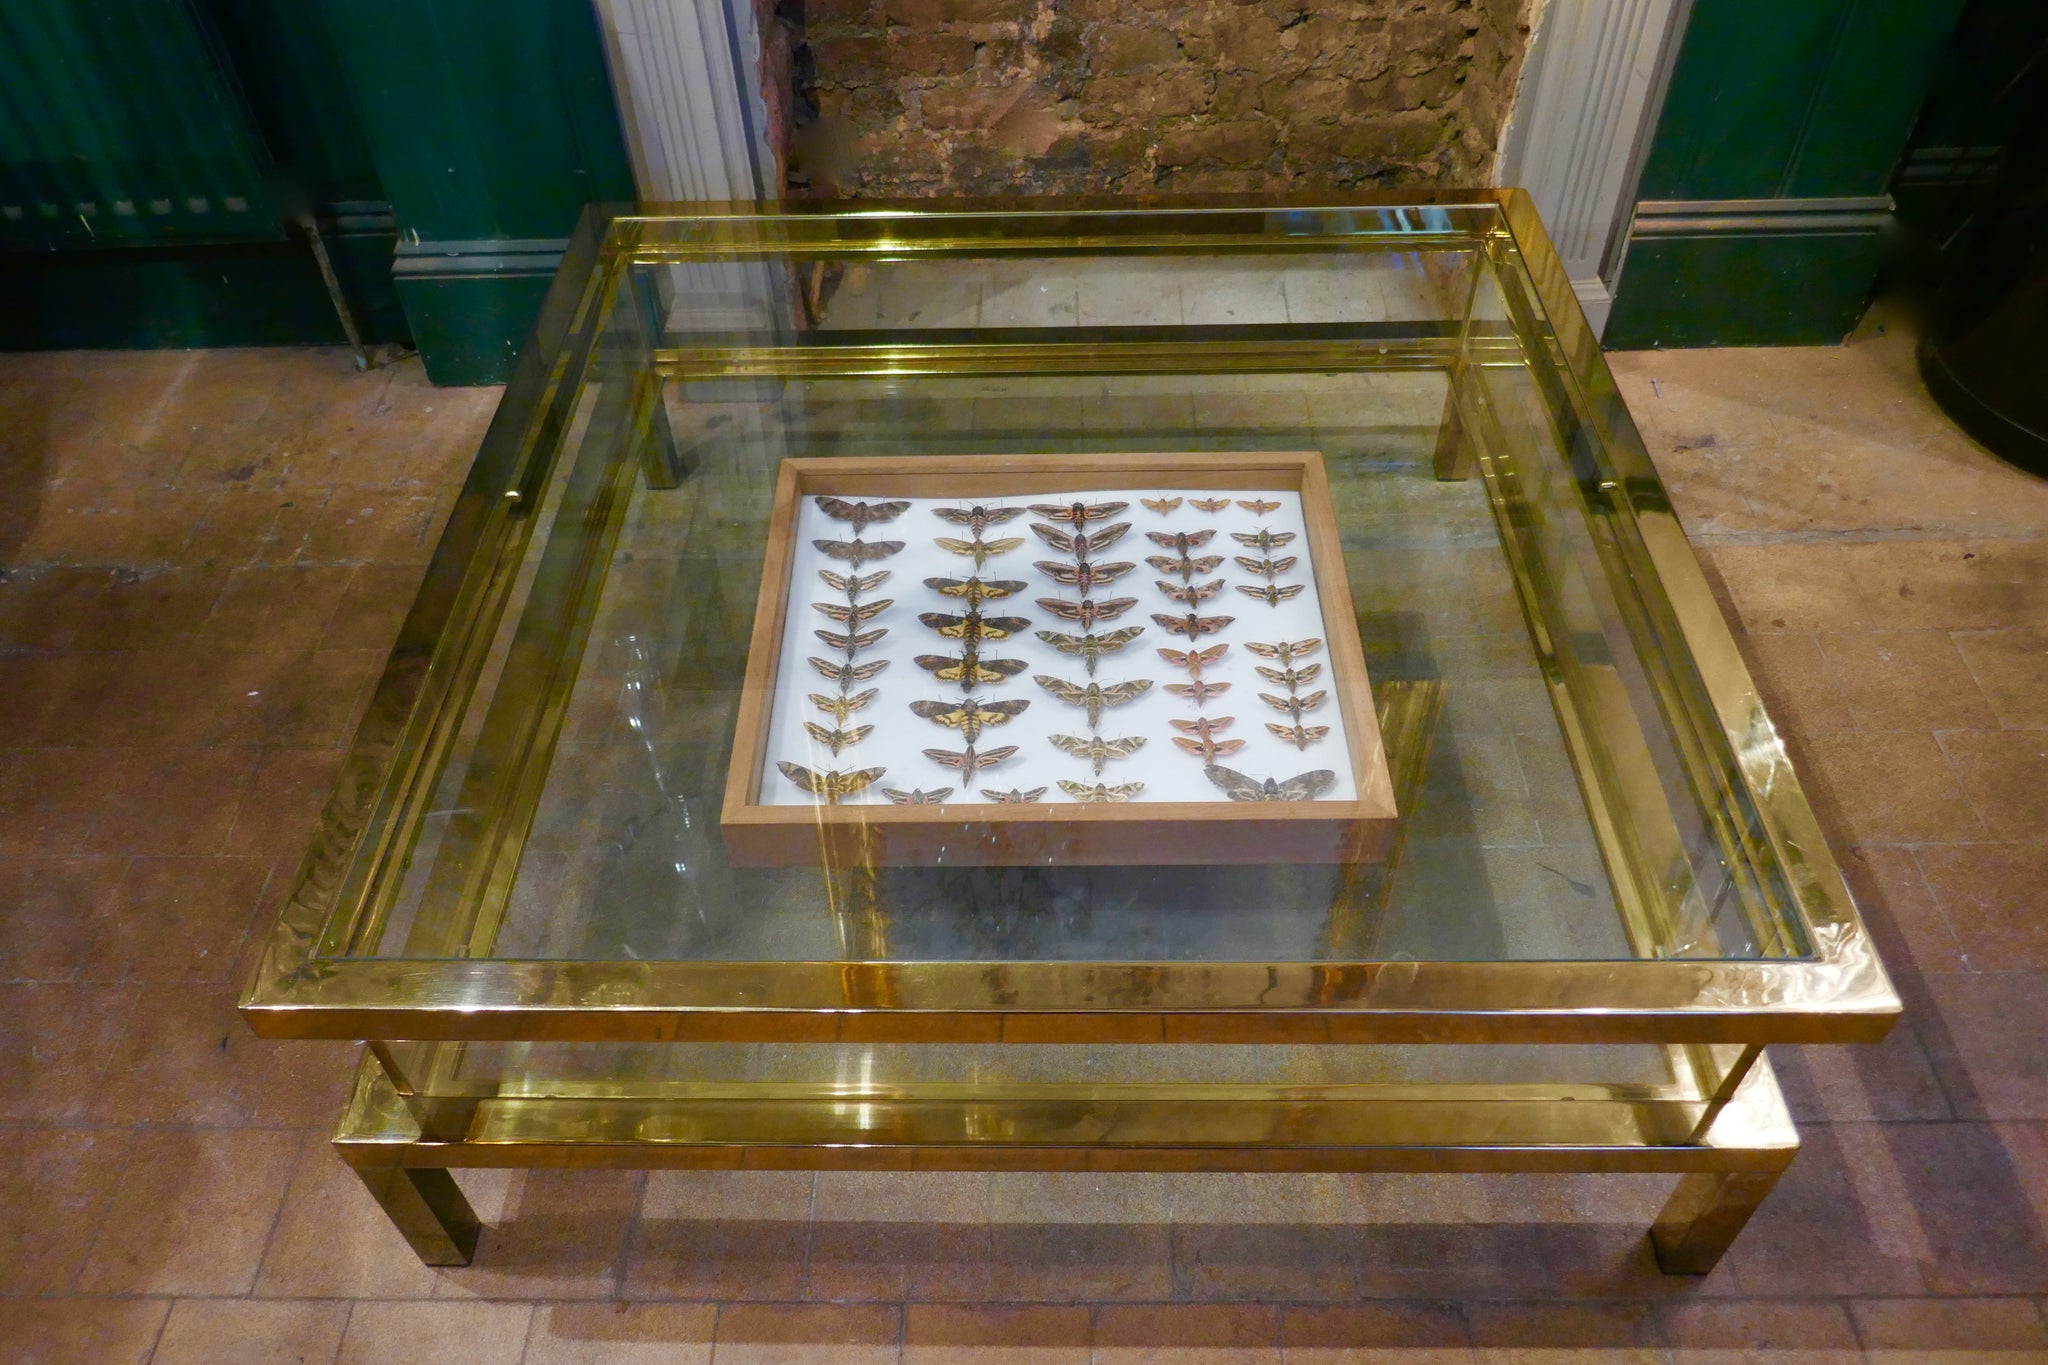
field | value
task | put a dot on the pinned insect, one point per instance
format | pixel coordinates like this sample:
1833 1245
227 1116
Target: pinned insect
1193 660
1160 505
1198 691
861 514
855 614
1082 544
1258 507
1080 791
839 708
1181 542
968 761
1273 594
1094 698
1300 736
976 590
1205 745
936 797
1097 749
978 518
981 551
1084 575
1262 540
835 740
855 585
1266 568
1188 569
1286 650
834 786
970 670
1078 513
970 717
1086 611
1294 706
1302 787
850 643
1193 626
1190 593
1291 678
973 626
848 673
1208 504
857 552
1091 648
1015 796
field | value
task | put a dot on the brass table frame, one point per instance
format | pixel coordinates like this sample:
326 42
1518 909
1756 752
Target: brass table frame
1720 1121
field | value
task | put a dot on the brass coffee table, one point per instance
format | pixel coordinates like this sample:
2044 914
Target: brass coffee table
1607 892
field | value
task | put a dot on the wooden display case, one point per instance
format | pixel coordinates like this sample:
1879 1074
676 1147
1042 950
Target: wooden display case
1355 824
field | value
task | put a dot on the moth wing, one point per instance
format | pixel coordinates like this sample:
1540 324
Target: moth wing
1278 703
1118 638
1107 536
1003 587
859 779
1125 746
946 758
1003 546
1166 538
1163 563
1125 791
995 670
957 546
1053 536
1307 786
838 508
1005 709
945 713
887 511
1263 651
1313 700
1066 611
996 516
1309 674
1079 790
1060 687
1001 627
1291 590
1272 675
1193 746
951 587
862 672
939 620
994 756
1250 565
1065 644
868 637
1245 537
1283 565
1178 658
1209 625
803 777
1316 732
959 516
1117 693
1160 505
830 670
1235 784
1225 746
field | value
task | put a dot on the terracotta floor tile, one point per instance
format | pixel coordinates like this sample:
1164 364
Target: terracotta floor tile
373 607
435 1333
54 1187
1799 689
621 1334
720 1235
1958 1331
797 1334
1376 1334
1904 680
373 525
553 1235
1971 1208
131 814
333 1241
1792 1247
50 799
246 1332
1080 1262
71 1331
1954 585
281 810
178 920
942 1334
1802 587
218 1188
2005 775
1987 1046
196 1061
1892 895
1890 1080
939 1261
131 609
1760 1332
55 1041
47 909
301 700
1886 788
1187 1334
41 605
1985 892
1265 1261
2011 668
277 609
1584 1334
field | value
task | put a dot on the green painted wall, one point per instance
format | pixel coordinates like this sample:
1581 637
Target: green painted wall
491 125
1787 103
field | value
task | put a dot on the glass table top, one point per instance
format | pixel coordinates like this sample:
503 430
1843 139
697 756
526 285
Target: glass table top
1583 772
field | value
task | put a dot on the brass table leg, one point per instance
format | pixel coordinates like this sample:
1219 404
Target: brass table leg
1703 1217
429 1209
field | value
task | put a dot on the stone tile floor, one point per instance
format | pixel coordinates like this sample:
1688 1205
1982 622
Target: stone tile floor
202 559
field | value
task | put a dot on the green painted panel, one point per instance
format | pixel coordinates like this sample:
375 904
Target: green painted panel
1795 289
120 123
486 118
288 67
469 328
1865 105
242 294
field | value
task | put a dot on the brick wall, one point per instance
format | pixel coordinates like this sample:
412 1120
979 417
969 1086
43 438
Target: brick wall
919 97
